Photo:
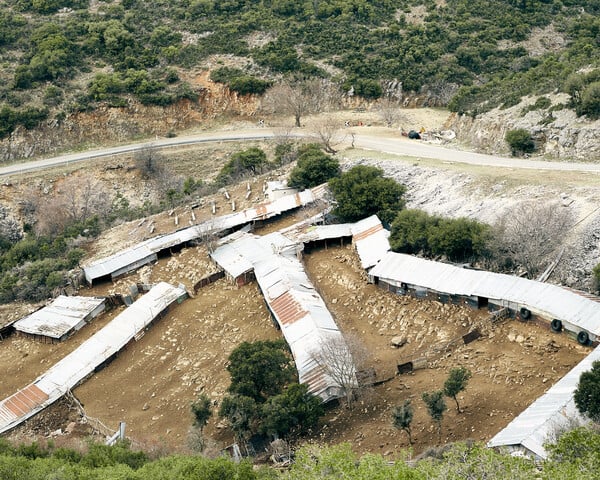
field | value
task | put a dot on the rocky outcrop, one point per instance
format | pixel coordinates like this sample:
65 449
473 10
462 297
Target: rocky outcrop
558 133
109 125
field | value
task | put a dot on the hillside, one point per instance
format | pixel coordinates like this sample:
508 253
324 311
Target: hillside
135 68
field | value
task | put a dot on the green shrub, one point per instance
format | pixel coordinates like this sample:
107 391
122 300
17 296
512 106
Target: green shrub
590 101
363 191
314 167
520 141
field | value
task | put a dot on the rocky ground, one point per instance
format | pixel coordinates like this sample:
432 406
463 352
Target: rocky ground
151 384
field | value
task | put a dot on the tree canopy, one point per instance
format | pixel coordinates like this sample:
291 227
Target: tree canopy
587 394
363 191
314 167
260 369
456 382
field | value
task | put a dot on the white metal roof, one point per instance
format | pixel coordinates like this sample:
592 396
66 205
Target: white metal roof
80 363
548 300
370 240
300 311
58 318
69 371
146 251
537 423
118 261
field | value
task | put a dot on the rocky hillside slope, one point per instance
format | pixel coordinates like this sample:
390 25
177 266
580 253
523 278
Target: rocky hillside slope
557 131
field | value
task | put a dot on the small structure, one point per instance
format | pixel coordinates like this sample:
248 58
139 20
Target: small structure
553 411
550 305
276 189
59 320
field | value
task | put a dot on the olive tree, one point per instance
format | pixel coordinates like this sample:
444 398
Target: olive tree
402 417
436 406
456 382
587 394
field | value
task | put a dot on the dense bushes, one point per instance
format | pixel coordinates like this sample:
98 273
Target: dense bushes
520 141
364 191
461 239
239 82
474 44
313 168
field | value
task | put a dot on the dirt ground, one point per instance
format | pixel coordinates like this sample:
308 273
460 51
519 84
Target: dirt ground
151 384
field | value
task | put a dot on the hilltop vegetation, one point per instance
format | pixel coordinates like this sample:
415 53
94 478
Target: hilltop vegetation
574 456
65 56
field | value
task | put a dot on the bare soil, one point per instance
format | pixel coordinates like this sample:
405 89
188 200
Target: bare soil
151 385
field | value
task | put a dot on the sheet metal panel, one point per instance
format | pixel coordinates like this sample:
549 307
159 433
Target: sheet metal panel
536 424
370 240
140 255
60 317
545 299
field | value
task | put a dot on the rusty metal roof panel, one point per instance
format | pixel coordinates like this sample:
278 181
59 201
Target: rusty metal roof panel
61 316
370 240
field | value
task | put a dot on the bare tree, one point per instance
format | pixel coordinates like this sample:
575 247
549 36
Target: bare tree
341 358
75 199
528 233
149 161
440 93
10 229
388 109
300 98
328 132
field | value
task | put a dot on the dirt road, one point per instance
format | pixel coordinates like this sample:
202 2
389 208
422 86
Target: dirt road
377 139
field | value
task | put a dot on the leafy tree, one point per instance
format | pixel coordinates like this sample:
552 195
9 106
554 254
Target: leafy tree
456 382
459 239
520 141
402 417
410 231
202 411
241 412
590 101
250 160
436 406
587 394
296 411
314 167
364 191
260 369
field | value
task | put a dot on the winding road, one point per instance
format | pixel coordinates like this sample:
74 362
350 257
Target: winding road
388 144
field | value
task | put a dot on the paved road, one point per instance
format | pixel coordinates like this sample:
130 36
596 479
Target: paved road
396 145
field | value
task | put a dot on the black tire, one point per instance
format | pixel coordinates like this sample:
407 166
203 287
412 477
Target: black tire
404 286
583 338
524 314
556 325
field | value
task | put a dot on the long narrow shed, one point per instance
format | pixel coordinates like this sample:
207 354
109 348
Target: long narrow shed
299 310
553 411
90 355
146 252
576 312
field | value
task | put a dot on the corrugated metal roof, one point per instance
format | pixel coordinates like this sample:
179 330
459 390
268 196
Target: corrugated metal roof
545 299
300 311
61 316
370 240
145 252
80 363
537 423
